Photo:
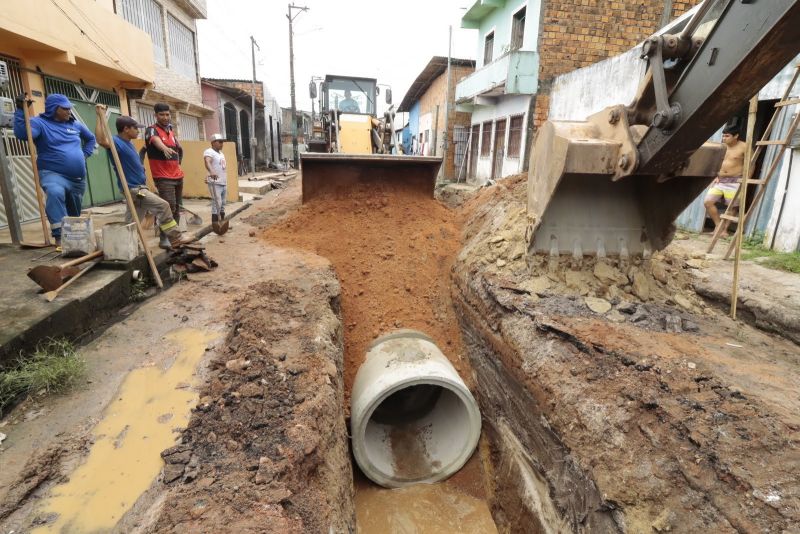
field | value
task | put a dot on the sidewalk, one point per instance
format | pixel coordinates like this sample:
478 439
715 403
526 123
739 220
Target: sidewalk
253 186
26 318
768 298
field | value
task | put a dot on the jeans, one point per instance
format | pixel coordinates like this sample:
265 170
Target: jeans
64 198
218 195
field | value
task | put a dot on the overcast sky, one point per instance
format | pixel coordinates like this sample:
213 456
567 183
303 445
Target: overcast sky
390 41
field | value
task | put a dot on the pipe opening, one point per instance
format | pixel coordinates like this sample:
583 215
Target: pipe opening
418 433
413 419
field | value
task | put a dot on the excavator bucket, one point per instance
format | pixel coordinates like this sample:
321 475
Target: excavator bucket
578 203
338 174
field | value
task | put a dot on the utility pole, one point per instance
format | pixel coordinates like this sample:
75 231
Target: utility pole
253 46
447 103
300 9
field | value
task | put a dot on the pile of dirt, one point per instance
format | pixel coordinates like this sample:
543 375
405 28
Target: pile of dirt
392 250
636 290
266 447
627 429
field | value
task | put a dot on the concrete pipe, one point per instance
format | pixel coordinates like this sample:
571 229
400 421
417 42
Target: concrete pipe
412 419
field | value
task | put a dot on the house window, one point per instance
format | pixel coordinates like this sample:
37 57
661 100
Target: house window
147 16
518 29
486 139
515 136
181 48
488 47
188 127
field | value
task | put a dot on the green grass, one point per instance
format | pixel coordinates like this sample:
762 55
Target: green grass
54 366
753 248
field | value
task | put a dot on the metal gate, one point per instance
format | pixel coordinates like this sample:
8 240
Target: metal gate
460 136
21 171
101 181
499 148
473 151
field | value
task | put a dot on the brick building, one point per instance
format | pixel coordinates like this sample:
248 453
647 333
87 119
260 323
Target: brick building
426 102
522 46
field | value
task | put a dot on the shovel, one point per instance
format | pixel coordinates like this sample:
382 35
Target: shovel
194 218
36 181
51 295
220 227
51 277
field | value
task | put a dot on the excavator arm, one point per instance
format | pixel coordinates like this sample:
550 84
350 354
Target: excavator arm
615 183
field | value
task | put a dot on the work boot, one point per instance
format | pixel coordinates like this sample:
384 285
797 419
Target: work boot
178 238
163 241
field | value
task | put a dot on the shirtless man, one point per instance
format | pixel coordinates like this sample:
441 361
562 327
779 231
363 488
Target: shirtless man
727 183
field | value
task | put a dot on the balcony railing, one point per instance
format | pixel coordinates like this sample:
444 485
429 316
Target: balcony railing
514 73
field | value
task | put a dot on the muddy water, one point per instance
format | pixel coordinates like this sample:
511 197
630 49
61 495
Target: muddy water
421 509
153 402
458 504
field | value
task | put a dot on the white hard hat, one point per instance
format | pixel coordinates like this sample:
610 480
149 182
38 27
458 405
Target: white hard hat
217 137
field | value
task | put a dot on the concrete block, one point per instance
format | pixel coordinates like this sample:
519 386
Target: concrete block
120 241
77 236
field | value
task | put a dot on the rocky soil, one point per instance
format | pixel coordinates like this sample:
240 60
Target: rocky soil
635 406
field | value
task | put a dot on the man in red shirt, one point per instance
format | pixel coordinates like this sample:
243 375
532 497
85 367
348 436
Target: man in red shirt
165 153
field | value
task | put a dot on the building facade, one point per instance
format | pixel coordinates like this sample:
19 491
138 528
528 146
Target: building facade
522 46
232 104
79 48
304 122
433 117
172 27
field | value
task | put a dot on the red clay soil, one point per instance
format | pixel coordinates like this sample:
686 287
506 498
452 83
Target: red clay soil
392 250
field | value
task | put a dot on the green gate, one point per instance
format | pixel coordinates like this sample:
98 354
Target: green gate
101 181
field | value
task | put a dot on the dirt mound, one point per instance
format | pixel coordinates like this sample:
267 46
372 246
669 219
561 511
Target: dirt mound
392 250
265 450
628 430
621 290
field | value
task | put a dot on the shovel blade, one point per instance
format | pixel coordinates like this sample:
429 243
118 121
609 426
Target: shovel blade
51 277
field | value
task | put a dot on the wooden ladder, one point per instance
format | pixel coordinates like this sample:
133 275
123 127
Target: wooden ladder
728 217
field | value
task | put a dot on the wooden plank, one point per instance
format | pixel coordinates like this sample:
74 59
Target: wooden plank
727 217
790 102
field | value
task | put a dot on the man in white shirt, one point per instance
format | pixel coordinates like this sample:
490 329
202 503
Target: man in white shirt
217 181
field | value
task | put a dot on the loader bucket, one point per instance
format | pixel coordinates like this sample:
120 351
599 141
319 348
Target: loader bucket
576 206
338 174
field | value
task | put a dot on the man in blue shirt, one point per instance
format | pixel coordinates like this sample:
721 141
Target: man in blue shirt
143 199
62 146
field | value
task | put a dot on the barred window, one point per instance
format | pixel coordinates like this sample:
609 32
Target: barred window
188 127
486 139
515 136
147 16
145 114
181 48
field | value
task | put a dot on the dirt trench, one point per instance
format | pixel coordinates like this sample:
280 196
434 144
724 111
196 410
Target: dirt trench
651 413
612 399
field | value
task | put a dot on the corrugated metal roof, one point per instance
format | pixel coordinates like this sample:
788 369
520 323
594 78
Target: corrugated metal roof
436 66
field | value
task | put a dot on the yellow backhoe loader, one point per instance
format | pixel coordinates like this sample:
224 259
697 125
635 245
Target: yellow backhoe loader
614 184
351 146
